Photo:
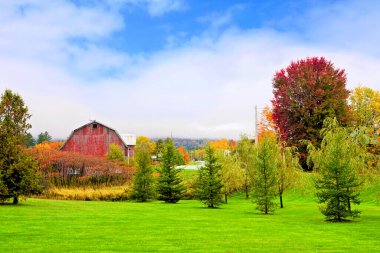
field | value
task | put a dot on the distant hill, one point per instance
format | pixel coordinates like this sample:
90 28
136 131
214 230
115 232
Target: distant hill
187 143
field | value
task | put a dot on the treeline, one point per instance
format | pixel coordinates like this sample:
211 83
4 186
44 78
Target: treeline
263 171
187 143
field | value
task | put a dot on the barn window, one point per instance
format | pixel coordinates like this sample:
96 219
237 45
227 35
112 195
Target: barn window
94 126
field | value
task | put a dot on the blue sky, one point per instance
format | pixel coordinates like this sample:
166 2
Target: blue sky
156 67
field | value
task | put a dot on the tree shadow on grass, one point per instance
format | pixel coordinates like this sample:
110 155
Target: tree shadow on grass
340 221
208 208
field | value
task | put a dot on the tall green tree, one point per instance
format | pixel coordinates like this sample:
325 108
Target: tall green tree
169 185
232 175
209 185
143 178
305 93
365 105
338 159
287 171
264 183
29 140
245 152
18 172
44 137
159 148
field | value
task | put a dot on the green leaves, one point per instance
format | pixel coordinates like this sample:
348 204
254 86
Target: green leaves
169 183
264 181
339 159
18 172
209 185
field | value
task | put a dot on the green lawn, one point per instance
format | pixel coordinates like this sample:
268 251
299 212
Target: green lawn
39 225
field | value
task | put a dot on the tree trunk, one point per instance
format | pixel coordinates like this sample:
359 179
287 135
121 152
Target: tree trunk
225 198
15 200
281 204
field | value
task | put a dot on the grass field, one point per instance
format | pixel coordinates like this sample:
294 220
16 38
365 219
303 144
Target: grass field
39 225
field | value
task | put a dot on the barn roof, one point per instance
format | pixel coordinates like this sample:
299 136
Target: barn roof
95 122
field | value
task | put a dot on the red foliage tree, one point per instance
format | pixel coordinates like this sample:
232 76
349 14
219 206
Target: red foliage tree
305 93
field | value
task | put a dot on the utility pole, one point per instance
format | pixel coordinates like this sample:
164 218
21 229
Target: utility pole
256 127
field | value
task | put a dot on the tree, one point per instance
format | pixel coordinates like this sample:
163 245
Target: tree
145 141
264 182
209 185
365 105
29 140
245 151
305 93
159 148
115 153
266 124
18 171
44 137
184 154
338 159
287 171
169 183
143 178
232 175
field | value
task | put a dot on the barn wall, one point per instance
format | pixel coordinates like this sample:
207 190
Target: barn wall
93 141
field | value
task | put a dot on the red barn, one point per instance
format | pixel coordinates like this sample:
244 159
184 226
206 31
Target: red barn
95 139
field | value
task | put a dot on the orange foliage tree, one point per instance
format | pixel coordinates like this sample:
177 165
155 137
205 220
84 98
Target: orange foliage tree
185 155
223 145
266 125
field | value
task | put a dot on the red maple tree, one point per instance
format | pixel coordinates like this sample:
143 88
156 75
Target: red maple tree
305 93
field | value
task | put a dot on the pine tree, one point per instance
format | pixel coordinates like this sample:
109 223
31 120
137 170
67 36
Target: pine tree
143 178
209 185
169 183
264 181
338 159
44 137
18 172
29 140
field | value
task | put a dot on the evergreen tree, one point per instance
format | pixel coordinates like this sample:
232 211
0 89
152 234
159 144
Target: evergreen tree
169 183
209 185
29 140
143 178
18 172
44 137
338 159
265 166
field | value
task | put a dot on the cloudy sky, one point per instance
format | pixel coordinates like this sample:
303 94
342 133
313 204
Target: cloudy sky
188 67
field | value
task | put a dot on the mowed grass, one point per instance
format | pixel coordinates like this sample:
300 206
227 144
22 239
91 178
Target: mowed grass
39 225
